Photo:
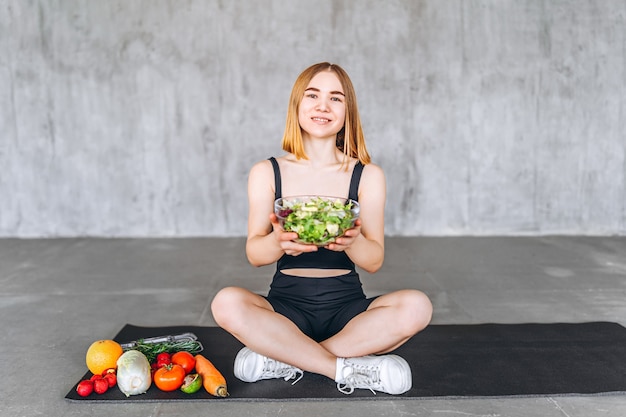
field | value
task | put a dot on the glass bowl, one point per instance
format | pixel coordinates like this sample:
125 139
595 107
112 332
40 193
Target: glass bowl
317 220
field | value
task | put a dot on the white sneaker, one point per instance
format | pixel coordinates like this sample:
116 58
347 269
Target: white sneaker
385 373
252 367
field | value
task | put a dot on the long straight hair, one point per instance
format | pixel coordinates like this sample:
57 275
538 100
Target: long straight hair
350 139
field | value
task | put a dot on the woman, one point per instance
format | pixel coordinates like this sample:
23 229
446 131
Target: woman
316 317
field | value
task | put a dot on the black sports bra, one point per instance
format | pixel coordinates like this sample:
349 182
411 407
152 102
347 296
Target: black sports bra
323 258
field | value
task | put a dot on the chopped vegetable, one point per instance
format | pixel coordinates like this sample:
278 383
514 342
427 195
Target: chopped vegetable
317 220
213 381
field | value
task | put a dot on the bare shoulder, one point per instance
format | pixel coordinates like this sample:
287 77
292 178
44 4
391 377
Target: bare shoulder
261 170
372 188
373 174
261 177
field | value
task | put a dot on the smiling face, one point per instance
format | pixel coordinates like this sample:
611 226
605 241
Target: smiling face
322 110
338 118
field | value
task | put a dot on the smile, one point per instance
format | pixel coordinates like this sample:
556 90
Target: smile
320 119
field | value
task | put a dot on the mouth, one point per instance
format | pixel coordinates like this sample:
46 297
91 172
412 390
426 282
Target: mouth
320 119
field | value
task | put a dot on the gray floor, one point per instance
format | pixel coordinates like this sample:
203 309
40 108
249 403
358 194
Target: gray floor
57 296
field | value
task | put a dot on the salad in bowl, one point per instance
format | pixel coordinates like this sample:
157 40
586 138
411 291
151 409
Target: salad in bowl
317 220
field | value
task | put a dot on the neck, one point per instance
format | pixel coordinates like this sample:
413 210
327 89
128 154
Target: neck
322 151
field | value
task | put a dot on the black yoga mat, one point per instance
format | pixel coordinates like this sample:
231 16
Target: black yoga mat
447 361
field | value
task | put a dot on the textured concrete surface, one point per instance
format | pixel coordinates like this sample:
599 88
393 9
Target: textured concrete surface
59 295
139 118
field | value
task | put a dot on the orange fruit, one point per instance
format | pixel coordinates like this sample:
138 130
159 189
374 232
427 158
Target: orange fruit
103 355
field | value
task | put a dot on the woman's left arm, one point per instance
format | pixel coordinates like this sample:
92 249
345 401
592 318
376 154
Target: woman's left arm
365 243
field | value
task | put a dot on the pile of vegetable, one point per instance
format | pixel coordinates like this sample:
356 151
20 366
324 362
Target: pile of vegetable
316 220
169 362
97 383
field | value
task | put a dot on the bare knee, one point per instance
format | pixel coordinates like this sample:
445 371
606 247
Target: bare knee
416 311
229 305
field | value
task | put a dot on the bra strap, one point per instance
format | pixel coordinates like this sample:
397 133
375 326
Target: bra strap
277 183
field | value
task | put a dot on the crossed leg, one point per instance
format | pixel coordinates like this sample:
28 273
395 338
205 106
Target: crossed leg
393 318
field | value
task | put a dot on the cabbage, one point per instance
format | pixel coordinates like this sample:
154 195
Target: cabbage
133 373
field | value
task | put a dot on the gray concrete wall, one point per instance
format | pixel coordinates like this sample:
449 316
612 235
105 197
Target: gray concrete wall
141 118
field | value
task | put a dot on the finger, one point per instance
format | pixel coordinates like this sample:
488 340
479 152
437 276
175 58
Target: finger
337 245
304 247
288 236
274 220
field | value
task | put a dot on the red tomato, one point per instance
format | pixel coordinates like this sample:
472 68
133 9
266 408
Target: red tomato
184 359
169 377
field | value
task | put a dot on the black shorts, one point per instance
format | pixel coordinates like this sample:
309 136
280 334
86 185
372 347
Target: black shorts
320 307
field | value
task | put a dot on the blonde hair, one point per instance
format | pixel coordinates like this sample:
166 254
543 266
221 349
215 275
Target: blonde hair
350 139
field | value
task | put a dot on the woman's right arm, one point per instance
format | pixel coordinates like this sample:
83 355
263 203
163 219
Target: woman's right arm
267 241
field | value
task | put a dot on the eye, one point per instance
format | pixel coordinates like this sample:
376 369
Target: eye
311 95
337 99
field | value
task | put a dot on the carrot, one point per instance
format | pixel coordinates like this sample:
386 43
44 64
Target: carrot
212 380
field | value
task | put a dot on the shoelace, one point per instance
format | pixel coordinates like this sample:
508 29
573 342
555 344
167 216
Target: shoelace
360 377
276 369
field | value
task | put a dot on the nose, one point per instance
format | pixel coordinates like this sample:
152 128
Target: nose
322 105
